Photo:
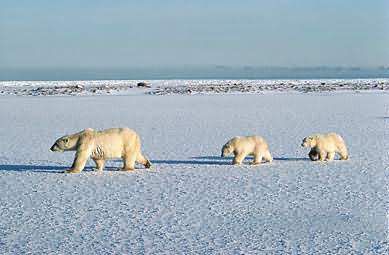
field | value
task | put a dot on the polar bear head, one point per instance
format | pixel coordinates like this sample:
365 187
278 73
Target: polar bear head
65 143
309 141
227 149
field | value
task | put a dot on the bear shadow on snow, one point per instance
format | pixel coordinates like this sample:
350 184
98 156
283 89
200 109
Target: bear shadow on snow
228 159
199 160
33 168
191 162
46 169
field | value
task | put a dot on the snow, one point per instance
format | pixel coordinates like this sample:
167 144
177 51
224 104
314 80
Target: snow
168 87
193 201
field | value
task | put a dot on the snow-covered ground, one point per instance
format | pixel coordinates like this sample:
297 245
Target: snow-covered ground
193 201
190 87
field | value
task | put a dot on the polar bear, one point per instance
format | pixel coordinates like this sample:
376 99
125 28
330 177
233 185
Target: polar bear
242 146
325 146
102 145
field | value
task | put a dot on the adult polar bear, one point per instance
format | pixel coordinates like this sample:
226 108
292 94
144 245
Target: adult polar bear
242 146
325 146
102 145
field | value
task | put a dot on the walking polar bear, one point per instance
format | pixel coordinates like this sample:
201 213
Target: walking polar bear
247 145
325 146
102 145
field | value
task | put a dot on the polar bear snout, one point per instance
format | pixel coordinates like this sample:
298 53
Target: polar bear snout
59 145
307 142
55 147
226 150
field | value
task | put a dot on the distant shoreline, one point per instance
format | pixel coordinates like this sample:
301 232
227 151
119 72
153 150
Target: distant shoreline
188 87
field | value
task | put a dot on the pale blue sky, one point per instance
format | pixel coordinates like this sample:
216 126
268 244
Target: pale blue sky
123 34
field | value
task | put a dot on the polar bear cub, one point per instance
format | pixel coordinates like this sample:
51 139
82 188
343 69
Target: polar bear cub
313 154
326 146
242 146
102 145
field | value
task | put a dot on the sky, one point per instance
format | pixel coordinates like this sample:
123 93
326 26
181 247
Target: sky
152 33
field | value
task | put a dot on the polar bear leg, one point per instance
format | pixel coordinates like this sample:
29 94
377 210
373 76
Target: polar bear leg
143 160
129 162
257 159
80 159
330 156
343 156
99 164
267 156
322 155
238 159
343 153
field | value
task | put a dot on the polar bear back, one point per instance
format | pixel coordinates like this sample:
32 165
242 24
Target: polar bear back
330 141
249 143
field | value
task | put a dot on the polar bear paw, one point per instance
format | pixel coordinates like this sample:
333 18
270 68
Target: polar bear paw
72 171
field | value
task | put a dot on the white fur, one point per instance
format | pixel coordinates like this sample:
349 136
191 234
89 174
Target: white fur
326 145
102 145
247 145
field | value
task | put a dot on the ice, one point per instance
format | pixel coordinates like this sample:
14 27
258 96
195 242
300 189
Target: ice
192 201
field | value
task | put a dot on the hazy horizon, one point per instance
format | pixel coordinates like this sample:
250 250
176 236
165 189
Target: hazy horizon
194 72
